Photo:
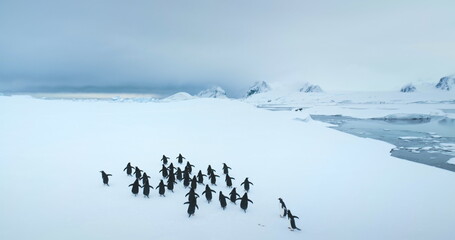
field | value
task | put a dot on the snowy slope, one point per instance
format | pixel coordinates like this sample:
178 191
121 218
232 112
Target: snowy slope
341 186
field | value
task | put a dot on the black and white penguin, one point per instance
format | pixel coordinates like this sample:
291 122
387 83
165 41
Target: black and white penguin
200 177
292 221
244 201
194 182
283 205
146 190
229 180
213 177
233 195
163 171
180 158
135 189
208 193
161 188
170 184
189 167
186 179
222 199
164 159
105 177
192 195
137 172
246 184
129 169
145 178
210 170
191 208
225 168
179 174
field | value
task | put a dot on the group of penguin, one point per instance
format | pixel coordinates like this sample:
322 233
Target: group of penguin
170 173
287 212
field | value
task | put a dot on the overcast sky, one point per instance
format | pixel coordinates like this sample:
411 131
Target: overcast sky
187 45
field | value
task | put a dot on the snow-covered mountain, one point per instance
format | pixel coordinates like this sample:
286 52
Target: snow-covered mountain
408 88
258 87
180 96
446 83
307 88
214 92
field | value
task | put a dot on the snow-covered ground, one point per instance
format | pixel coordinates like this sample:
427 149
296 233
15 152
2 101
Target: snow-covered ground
341 186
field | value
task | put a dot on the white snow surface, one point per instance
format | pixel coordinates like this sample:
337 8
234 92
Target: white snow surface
341 186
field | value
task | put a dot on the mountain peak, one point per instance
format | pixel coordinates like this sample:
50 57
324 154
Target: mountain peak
214 92
258 87
446 83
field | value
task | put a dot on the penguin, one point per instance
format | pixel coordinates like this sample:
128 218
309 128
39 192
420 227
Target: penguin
171 167
283 206
186 179
146 190
180 158
105 177
136 186
179 174
246 184
233 195
164 159
191 208
200 177
171 177
285 213
170 184
208 193
225 168
222 199
129 169
213 177
161 188
244 201
137 172
189 166
210 170
229 181
145 178
289 213
292 221
192 195
163 171
282 203
194 182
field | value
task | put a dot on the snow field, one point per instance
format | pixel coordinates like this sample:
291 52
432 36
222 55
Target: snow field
341 186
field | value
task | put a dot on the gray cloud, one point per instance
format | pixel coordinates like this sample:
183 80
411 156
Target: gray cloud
167 46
